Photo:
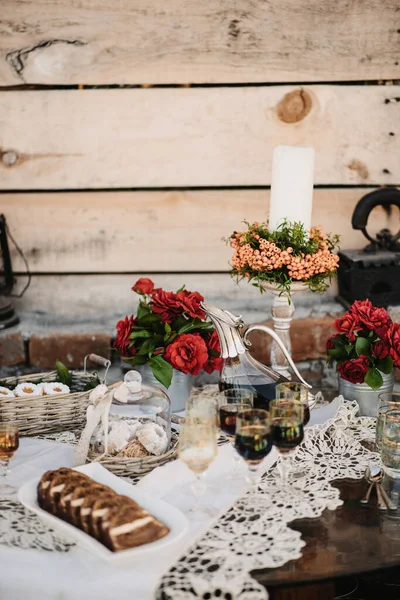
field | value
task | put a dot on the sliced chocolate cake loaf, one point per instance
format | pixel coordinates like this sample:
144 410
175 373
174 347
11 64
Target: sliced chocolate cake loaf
116 521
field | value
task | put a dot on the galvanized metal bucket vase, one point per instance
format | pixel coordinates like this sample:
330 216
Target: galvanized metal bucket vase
179 390
366 397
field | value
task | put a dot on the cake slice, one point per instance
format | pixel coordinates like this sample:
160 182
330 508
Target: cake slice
87 508
128 527
84 489
44 485
101 510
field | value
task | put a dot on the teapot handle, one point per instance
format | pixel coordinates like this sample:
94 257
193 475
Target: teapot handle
281 345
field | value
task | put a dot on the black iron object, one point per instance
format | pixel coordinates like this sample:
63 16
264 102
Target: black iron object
8 317
373 272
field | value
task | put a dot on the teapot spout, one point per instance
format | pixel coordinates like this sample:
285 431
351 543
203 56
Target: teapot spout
227 326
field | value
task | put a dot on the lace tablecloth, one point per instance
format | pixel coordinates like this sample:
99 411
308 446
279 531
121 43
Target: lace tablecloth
254 533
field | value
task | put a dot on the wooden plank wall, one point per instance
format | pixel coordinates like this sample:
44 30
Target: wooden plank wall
135 135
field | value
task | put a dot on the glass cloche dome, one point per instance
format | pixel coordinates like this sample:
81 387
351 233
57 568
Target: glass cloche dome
146 403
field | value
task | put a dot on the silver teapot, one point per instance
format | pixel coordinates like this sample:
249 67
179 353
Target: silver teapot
240 369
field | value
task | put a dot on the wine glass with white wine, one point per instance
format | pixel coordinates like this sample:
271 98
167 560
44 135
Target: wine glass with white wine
9 443
197 449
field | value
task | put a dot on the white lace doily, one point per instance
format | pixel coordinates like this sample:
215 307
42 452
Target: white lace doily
254 533
21 528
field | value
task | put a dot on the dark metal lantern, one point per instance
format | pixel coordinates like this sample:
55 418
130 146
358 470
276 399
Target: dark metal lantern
373 272
8 317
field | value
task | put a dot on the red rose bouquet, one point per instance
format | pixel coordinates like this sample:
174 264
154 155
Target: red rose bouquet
367 344
169 332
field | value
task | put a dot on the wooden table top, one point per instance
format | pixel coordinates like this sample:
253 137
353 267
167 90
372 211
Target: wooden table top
353 539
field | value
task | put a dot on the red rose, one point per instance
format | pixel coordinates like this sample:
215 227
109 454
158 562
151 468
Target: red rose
214 363
190 302
348 324
393 339
188 353
329 343
122 340
166 304
380 349
372 317
354 370
144 285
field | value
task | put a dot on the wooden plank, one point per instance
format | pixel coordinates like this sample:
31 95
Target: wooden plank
152 232
195 137
183 41
84 303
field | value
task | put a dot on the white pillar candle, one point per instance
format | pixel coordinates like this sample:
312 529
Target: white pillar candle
291 185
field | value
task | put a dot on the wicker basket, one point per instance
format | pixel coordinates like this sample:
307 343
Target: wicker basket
133 467
48 414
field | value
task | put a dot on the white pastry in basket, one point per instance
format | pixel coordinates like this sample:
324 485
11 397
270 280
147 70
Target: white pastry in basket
54 388
6 393
153 438
27 390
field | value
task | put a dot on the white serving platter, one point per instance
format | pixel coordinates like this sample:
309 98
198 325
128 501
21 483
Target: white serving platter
175 520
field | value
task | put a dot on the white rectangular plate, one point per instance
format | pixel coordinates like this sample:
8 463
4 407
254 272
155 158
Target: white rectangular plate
175 520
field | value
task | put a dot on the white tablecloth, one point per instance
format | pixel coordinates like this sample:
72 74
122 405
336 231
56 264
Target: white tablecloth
78 575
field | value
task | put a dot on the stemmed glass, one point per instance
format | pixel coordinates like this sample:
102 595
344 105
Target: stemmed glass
387 401
287 433
231 403
205 409
9 443
253 440
390 443
292 390
197 449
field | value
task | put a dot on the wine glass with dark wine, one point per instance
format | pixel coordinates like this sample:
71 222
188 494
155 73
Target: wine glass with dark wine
293 390
231 403
253 440
287 432
9 443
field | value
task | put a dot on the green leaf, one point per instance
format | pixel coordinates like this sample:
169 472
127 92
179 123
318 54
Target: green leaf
338 354
64 375
194 326
385 365
167 328
149 319
349 348
169 339
140 334
146 347
162 370
181 289
374 379
136 360
363 347
143 310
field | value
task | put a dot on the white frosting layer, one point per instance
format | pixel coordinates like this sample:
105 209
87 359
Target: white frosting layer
100 512
57 488
129 527
77 502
